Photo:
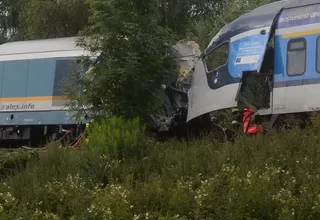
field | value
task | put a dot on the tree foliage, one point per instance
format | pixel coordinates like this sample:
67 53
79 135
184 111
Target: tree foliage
51 19
9 19
178 15
135 57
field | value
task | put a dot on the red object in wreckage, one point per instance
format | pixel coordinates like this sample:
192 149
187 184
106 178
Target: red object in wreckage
250 127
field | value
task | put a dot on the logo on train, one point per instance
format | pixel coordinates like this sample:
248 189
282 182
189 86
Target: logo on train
16 107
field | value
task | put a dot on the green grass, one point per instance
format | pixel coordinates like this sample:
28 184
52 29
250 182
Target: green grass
275 176
15 161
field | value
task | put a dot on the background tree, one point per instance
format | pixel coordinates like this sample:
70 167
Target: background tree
52 18
9 20
178 15
206 25
135 61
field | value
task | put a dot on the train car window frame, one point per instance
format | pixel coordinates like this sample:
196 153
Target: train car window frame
227 43
300 39
318 55
62 64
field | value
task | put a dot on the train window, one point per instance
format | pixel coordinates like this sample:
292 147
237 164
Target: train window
318 55
64 69
296 57
217 57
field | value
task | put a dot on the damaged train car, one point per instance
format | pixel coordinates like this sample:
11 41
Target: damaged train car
267 59
32 106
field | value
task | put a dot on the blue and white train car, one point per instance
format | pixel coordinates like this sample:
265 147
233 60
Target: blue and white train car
281 38
32 105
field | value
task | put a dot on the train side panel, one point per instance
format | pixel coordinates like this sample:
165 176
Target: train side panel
32 104
34 85
297 72
32 100
40 83
14 85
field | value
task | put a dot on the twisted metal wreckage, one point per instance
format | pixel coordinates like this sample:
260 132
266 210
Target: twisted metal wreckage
175 120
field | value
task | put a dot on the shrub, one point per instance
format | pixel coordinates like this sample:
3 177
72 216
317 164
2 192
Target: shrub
117 138
110 142
15 161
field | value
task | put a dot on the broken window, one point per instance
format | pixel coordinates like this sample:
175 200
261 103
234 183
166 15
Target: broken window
218 57
256 89
268 60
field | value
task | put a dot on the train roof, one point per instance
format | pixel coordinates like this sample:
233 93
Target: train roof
260 17
44 48
37 46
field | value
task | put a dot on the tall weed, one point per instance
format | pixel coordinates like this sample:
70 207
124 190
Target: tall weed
110 142
272 176
117 138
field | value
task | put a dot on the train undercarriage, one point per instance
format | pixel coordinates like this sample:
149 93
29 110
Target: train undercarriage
38 135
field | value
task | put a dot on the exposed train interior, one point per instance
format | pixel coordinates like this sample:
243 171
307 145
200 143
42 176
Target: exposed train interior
256 86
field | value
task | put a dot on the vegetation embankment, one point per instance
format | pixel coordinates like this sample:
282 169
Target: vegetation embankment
121 174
